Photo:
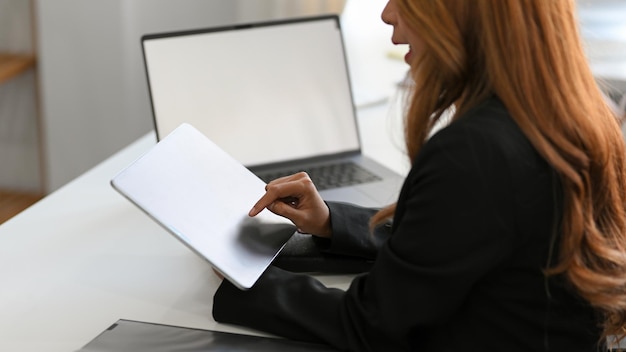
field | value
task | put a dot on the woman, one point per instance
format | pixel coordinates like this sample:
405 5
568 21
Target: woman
510 229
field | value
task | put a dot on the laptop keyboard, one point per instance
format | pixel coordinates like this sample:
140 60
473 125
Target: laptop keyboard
329 176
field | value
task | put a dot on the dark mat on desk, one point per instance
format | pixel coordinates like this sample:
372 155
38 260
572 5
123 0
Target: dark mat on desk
136 336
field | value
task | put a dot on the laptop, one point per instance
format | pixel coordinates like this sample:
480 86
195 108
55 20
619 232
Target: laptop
201 195
274 95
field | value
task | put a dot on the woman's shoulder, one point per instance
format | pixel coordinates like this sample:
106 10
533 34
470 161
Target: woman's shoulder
486 128
490 117
485 141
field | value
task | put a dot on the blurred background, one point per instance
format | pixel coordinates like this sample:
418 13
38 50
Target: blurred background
73 88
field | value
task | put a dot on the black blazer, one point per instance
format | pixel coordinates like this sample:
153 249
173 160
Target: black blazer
461 270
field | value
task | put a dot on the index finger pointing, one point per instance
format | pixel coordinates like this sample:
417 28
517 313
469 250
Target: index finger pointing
261 204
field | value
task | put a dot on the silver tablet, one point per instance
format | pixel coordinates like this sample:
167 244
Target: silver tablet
202 196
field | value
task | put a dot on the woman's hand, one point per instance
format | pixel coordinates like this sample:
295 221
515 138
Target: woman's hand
296 198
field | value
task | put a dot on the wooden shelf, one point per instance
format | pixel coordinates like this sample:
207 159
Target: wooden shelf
12 65
12 203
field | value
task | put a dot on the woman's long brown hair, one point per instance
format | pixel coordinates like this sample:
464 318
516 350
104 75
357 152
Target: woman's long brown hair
529 53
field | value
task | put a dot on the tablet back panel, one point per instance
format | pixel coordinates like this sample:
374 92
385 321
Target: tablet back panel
202 196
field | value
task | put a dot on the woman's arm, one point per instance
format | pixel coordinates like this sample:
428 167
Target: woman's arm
352 235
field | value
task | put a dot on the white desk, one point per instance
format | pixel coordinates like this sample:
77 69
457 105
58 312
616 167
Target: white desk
84 257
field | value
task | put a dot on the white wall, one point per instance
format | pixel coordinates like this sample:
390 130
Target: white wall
94 100
253 10
19 156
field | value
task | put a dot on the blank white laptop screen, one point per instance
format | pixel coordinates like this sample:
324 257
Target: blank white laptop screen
265 94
